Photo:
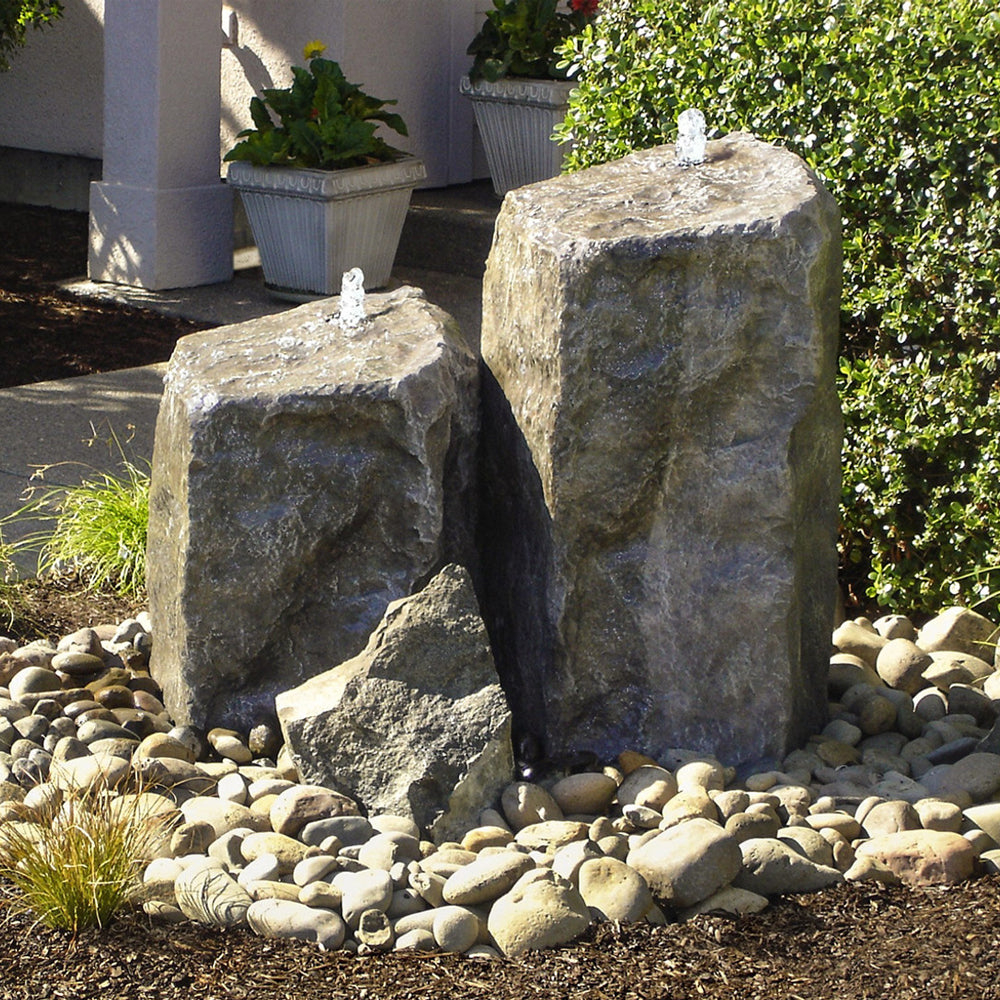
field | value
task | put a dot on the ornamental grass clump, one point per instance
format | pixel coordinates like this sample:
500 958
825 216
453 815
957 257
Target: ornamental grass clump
100 530
82 864
98 527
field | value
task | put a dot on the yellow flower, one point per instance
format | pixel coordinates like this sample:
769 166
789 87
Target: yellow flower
313 48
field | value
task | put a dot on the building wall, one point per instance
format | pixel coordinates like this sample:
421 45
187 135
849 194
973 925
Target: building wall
411 50
52 99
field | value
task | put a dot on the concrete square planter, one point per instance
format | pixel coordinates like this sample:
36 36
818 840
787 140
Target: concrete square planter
516 118
313 225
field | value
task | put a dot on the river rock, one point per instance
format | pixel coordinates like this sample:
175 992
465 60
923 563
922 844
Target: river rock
299 805
960 630
650 450
209 895
978 774
287 851
648 785
949 668
587 792
901 664
280 918
923 857
33 681
417 723
525 803
94 772
374 932
772 868
367 439
455 929
542 910
614 890
363 890
729 900
688 862
486 879
891 817
220 815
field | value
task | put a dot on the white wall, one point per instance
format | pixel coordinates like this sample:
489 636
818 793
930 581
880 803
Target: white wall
411 50
52 98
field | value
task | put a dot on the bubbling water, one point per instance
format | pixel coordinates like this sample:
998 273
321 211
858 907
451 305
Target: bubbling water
352 299
690 138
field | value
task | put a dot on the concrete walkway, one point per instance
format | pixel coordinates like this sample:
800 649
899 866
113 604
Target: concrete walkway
64 431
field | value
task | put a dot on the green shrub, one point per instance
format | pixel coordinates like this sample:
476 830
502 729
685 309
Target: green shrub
921 478
896 105
16 16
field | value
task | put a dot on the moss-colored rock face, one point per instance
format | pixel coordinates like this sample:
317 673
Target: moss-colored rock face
662 441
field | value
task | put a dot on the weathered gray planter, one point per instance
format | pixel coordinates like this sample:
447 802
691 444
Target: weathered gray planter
313 225
516 118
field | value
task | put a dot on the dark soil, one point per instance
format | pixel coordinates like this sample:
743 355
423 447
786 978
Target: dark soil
850 943
47 333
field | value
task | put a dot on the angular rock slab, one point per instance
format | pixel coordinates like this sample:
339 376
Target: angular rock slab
304 476
417 724
662 447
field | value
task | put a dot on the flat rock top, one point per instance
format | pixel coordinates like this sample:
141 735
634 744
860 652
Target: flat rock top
742 183
305 350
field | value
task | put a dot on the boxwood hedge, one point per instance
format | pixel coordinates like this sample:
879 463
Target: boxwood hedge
896 105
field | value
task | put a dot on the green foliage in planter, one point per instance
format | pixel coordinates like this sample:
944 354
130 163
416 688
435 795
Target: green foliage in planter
324 122
521 38
16 16
896 104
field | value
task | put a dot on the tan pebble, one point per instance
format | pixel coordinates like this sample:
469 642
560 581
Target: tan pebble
763 781
629 760
846 826
486 836
648 785
587 792
525 804
268 889
706 775
323 895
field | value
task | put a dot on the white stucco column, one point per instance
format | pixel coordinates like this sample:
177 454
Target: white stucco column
161 217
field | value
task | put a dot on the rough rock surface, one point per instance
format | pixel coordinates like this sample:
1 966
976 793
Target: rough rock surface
417 724
662 440
303 477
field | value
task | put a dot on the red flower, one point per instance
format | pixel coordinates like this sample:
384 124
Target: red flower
587 7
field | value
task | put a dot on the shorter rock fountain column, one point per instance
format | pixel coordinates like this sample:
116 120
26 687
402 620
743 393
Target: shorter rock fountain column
662 440
306 472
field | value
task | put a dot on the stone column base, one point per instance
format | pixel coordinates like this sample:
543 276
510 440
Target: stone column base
148 238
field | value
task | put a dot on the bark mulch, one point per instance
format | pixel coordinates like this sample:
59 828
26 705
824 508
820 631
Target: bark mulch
47 333
847 943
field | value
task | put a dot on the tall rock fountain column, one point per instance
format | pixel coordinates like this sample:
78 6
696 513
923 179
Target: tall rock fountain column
662 452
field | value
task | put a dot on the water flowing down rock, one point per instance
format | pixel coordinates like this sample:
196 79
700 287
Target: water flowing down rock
662 452
416 724
303 477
